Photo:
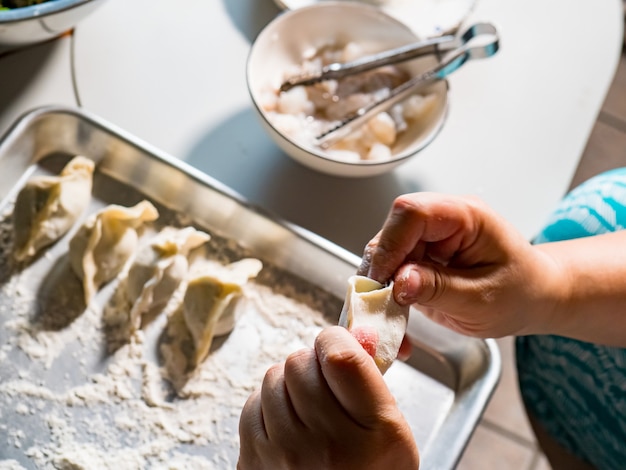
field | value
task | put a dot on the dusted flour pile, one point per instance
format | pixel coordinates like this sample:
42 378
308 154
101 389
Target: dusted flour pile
77 395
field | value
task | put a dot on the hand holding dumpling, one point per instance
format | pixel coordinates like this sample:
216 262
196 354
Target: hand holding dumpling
326 407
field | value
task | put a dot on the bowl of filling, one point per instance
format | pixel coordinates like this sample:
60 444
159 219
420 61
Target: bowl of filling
29 21
302 41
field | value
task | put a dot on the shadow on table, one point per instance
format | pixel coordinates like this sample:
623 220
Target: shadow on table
19 67
345 210
250 16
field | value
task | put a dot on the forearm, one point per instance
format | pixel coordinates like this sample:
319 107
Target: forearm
590 291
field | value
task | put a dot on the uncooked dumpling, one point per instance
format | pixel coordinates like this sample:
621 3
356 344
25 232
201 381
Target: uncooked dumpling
48 206
159 268
105 242
210 303
370 306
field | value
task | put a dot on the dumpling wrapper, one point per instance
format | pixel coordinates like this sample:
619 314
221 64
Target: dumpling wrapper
369 305
48 206
159 268
104 243
210 303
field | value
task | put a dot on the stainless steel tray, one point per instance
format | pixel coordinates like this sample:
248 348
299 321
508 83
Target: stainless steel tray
45 402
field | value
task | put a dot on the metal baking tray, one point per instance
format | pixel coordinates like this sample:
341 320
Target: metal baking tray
442 390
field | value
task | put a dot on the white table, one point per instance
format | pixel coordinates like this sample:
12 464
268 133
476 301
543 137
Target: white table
174 75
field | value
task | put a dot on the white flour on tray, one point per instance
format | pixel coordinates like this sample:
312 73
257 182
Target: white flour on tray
67 403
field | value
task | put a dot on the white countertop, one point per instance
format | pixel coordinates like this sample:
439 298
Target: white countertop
175 77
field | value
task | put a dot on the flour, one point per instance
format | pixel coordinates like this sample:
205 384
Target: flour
22 409
78 394
10 465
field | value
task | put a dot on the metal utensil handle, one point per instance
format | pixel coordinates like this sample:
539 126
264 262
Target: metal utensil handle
338 70
441 44
450 63
401 54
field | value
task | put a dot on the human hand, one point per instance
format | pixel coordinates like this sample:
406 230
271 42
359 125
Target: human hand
464 266
326 407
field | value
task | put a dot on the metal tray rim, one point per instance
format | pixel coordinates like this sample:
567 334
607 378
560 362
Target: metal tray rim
29 116
456 430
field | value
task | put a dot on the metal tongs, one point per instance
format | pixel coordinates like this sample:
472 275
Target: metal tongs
478 41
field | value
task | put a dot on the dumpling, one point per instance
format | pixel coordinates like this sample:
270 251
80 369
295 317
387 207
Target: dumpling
370 307
159 268
104 243
48 206
210 303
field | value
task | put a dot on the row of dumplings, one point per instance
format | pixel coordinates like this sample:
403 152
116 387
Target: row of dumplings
47 207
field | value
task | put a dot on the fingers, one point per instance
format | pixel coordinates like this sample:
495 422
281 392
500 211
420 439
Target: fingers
353 377
414 283
434 285
419 224
299 404
325 408
366 259
313 400
252 434
252 423
467 301
276 405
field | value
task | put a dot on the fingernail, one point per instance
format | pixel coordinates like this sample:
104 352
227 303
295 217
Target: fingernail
405 277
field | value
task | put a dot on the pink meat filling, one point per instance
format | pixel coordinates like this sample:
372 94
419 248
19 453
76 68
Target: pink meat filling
367 337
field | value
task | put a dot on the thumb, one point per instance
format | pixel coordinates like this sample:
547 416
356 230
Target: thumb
436 286
353 376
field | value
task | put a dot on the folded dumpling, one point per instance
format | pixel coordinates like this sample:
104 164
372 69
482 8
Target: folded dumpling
372 315
48 206
104 243
159 268
210 303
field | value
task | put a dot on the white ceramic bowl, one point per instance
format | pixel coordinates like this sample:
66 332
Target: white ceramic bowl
35 23
283 43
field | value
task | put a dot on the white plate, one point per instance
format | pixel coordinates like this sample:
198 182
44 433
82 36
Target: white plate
427 18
